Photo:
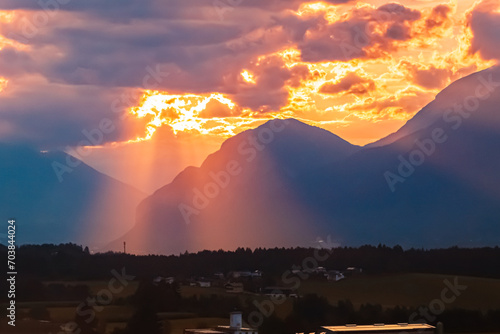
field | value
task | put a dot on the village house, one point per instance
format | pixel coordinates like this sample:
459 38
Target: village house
235 327
378 329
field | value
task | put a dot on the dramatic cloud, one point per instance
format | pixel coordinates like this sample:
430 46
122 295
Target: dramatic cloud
426 76
215 109
440 17
350 84
219 67
484 22
393 107
365 32
53 115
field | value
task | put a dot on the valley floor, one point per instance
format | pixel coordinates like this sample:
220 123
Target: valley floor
389 291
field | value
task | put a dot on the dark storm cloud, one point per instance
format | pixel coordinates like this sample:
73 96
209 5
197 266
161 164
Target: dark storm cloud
87 52
198 53
201 54
15 63
351 37
53 115
121 10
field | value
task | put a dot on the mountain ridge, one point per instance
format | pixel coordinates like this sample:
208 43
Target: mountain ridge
286 183
436 108
299 195
55 203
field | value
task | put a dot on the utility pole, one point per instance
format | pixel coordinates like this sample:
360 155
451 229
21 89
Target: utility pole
124 248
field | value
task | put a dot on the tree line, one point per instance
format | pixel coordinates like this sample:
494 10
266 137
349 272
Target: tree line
74 262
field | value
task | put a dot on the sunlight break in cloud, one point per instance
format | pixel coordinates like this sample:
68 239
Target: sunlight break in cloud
334 64
368 63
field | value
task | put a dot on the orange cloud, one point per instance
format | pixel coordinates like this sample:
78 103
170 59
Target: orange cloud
350 84
426 76
216 109
3 83
440 17
326 62
402 105
365 32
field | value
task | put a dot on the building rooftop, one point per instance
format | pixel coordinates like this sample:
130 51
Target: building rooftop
243 329
378 327
204 331
235 321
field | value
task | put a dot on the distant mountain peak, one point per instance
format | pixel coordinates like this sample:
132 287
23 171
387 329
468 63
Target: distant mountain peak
81 206
294 183
467 90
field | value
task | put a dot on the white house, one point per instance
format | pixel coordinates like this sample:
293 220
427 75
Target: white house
235 327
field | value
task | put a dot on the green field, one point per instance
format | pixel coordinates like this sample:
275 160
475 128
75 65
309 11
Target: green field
178 326
96 286
388 290
409 290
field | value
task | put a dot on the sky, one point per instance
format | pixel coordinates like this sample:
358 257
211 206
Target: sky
140 89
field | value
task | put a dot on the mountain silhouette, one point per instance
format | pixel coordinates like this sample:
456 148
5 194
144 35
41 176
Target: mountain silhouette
433 183
56 198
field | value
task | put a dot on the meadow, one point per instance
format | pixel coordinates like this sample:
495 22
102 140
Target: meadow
387 290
